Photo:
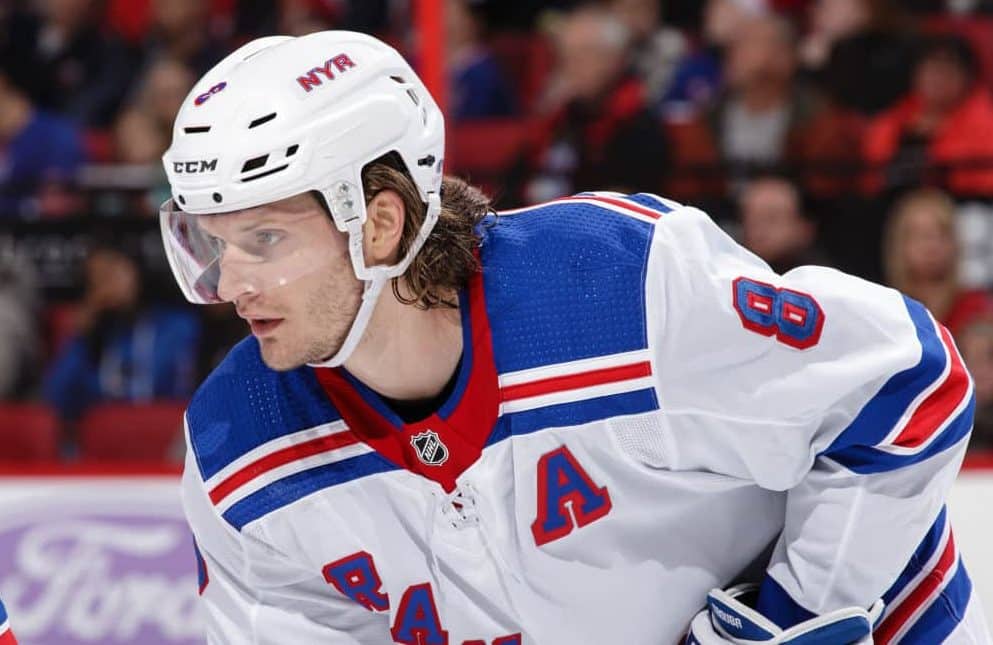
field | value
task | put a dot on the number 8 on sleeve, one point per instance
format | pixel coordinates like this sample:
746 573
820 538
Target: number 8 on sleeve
794 318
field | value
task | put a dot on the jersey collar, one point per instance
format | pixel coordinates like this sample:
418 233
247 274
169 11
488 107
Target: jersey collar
444 444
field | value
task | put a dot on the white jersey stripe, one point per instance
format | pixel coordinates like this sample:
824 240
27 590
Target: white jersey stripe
298 465
596 201
928 567
568 392
614 207
668 203
912 620
572 396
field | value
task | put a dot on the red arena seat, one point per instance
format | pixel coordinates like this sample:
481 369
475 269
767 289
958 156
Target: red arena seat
28 432
483 151
131 432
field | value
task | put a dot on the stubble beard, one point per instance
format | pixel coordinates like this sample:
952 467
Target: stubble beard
327 318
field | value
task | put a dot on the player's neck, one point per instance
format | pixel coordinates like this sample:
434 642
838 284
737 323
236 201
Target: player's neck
408 353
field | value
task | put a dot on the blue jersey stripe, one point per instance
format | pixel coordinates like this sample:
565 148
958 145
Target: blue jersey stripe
920 557
293 487
880 415
202 575
947 610
865 460
641 199
575 413
298 485
778 606
3 613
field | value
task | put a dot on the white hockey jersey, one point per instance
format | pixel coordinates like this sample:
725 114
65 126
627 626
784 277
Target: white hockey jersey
644 411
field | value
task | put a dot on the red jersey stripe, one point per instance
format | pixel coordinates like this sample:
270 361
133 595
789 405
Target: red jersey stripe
940 404
279 458
576 381
620 203
927 587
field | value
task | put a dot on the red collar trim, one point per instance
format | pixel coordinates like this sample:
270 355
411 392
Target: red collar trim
437 448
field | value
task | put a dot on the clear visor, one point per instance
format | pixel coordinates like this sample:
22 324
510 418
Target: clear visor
221 257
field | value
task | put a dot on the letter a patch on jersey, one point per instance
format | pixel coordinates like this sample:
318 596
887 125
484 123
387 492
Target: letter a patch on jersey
417 621
564 485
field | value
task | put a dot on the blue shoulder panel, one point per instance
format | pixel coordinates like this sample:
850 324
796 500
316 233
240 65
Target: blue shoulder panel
243 404
565 281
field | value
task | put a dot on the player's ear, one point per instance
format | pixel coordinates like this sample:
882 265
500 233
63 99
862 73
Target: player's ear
383 228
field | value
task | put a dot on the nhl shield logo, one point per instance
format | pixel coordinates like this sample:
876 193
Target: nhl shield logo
429 448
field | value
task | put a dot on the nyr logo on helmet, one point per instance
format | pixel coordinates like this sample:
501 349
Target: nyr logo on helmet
202 98
429 448
194 167
312 78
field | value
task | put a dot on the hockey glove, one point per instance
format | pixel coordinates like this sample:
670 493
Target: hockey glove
727 619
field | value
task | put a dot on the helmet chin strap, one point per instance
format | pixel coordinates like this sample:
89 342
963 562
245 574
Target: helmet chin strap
369 298
375 279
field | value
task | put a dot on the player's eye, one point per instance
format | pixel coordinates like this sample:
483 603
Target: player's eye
266 238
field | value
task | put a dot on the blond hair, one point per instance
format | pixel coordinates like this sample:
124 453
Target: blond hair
895 234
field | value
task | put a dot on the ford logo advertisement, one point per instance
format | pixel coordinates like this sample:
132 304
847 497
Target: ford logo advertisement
97 560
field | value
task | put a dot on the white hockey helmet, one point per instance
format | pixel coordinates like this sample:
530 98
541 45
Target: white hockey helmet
283 116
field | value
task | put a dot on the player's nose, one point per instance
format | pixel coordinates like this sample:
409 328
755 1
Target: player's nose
235 283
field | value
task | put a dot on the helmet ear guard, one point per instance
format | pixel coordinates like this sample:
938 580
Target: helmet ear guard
284 116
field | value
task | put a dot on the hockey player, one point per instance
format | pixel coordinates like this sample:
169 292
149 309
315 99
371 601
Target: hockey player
6 634
583 422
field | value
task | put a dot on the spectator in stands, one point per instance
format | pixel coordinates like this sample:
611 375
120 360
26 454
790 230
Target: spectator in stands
776 225
144 129
257 18
860 52
599 131
921 259
942 131
975 342
765 119
125 348
181 31
301 17
66 61
478 89
19 342
41 154
698 77
656 49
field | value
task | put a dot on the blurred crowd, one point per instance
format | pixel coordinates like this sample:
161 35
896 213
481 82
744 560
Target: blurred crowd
849 133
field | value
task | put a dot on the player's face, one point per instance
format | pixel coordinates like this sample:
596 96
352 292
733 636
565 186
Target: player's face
300 301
